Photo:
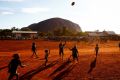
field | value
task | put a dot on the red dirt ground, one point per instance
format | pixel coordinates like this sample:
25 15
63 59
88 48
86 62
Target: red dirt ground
107 63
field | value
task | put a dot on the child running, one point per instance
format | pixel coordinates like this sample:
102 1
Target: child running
47 52
13 65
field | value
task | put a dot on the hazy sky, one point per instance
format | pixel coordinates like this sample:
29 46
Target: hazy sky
89 14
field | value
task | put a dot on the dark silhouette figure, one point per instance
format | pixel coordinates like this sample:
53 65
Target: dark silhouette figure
119 46
73 3
12 67
47 52
61 49
92 65
74 53
96 49
34 50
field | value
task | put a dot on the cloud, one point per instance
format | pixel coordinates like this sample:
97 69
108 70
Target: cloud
12 0
7 11
34 10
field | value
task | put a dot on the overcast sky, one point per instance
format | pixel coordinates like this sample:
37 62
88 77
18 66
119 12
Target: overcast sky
91 15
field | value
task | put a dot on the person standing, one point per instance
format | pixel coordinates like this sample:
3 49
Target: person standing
96 49
61 49
34 50
74 53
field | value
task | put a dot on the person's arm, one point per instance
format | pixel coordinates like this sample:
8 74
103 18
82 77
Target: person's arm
64 43
21 64
49 51
71 49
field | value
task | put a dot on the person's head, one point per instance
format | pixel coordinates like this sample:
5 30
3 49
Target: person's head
46 50
33 43
74 46
16 56
60 43
96 44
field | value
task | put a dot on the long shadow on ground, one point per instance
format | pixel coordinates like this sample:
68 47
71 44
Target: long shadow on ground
66 63
31 73
3 67
64 73
92 65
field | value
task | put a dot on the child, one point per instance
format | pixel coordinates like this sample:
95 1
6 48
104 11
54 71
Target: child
61 49
96 49
34 50
47 52
74 53
12 67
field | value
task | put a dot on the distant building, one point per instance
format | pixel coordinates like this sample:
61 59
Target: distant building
105 35
118 35
100 34
24 34
109 32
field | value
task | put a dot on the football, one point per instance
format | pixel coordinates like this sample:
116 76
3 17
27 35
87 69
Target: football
73 3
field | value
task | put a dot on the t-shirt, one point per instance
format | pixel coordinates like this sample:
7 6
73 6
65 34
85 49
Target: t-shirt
96 48
33 47
13 65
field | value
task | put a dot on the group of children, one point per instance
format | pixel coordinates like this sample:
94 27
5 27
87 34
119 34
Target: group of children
15 62
74 51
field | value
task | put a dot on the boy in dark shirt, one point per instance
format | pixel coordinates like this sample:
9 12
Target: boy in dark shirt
34 50
12 67
74 53
61 49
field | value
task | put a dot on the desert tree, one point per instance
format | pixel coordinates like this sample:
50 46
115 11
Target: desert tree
25 29
14 29
5 33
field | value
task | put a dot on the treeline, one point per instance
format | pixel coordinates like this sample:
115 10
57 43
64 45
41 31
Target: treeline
7 33
62 32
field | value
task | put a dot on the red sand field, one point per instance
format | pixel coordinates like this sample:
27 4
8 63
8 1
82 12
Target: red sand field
107 63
